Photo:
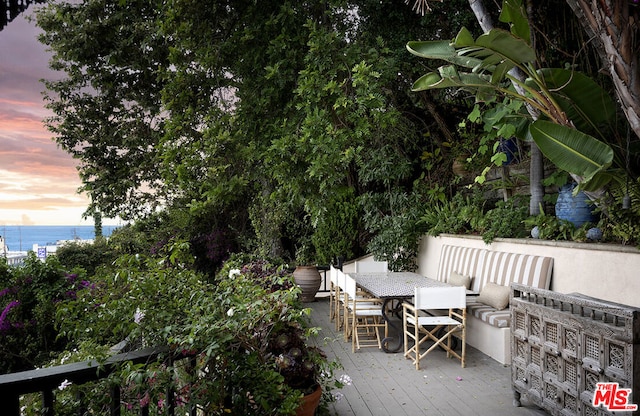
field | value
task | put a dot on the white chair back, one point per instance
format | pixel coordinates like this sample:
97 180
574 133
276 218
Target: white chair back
350 287
371 267
440 297
333 275
340 279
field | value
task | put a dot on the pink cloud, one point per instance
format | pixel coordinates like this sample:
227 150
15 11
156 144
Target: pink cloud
35 174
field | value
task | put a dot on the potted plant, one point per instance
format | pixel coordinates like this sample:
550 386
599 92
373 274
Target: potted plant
300 365
269 335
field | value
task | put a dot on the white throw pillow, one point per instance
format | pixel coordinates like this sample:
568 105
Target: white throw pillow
494 295
456 279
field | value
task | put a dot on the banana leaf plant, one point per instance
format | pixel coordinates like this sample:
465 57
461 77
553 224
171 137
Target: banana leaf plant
566 107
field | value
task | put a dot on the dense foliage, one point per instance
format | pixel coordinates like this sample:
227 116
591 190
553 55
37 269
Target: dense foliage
282 127
254 352
270 125
28 298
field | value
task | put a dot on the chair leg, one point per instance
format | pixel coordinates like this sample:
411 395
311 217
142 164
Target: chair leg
406 336
463 360
376 321
416 346
369 327
332 300
354 335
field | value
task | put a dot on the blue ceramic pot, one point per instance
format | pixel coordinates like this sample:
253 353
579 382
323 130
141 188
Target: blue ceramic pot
575 209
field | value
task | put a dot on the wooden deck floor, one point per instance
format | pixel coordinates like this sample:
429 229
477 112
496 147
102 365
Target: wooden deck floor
389 385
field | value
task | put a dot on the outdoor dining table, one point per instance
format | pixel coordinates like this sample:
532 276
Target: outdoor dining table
390 287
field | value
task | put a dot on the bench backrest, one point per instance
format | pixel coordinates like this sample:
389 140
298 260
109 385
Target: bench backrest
506 268
499 267
466 261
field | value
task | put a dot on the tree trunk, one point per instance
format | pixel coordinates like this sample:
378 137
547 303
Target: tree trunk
615 27
483 17
431 107
536 174
536 170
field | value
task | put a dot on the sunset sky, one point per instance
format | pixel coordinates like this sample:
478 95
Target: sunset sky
38 181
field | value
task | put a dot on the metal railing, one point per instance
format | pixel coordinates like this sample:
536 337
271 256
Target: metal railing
47 380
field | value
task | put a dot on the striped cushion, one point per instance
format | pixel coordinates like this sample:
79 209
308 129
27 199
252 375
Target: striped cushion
488 314
485 266
505 268
462 260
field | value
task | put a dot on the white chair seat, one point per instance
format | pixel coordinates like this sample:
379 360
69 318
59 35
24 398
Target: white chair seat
433 320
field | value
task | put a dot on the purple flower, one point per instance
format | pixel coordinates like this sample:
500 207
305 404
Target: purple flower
8 291
4 324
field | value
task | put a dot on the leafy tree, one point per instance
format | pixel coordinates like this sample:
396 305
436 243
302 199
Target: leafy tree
609 34
80 255
107 108
250 117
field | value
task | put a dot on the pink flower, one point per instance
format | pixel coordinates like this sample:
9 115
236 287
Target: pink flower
144 402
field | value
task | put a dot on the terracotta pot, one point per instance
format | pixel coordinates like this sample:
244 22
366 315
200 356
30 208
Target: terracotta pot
309 279
310 403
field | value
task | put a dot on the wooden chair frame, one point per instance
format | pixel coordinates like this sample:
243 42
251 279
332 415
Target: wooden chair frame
363 318
424 320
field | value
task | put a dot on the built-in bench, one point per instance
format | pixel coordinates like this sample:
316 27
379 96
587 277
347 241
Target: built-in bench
490 274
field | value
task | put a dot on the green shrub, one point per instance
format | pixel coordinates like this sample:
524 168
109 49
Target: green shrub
550 227
460 215
86 256
28 298
247 329
506 220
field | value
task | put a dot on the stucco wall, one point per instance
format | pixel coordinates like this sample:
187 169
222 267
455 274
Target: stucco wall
604 271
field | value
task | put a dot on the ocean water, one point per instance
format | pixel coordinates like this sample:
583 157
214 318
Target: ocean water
23 237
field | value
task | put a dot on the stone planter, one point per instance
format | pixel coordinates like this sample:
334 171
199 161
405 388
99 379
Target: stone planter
309 280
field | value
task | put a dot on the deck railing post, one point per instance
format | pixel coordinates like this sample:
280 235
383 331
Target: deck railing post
47 402
115 400
171 393
11 403
82 409
193 410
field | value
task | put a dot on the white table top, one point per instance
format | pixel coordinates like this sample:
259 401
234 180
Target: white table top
393 284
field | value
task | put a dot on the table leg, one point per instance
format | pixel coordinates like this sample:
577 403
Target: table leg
397 328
